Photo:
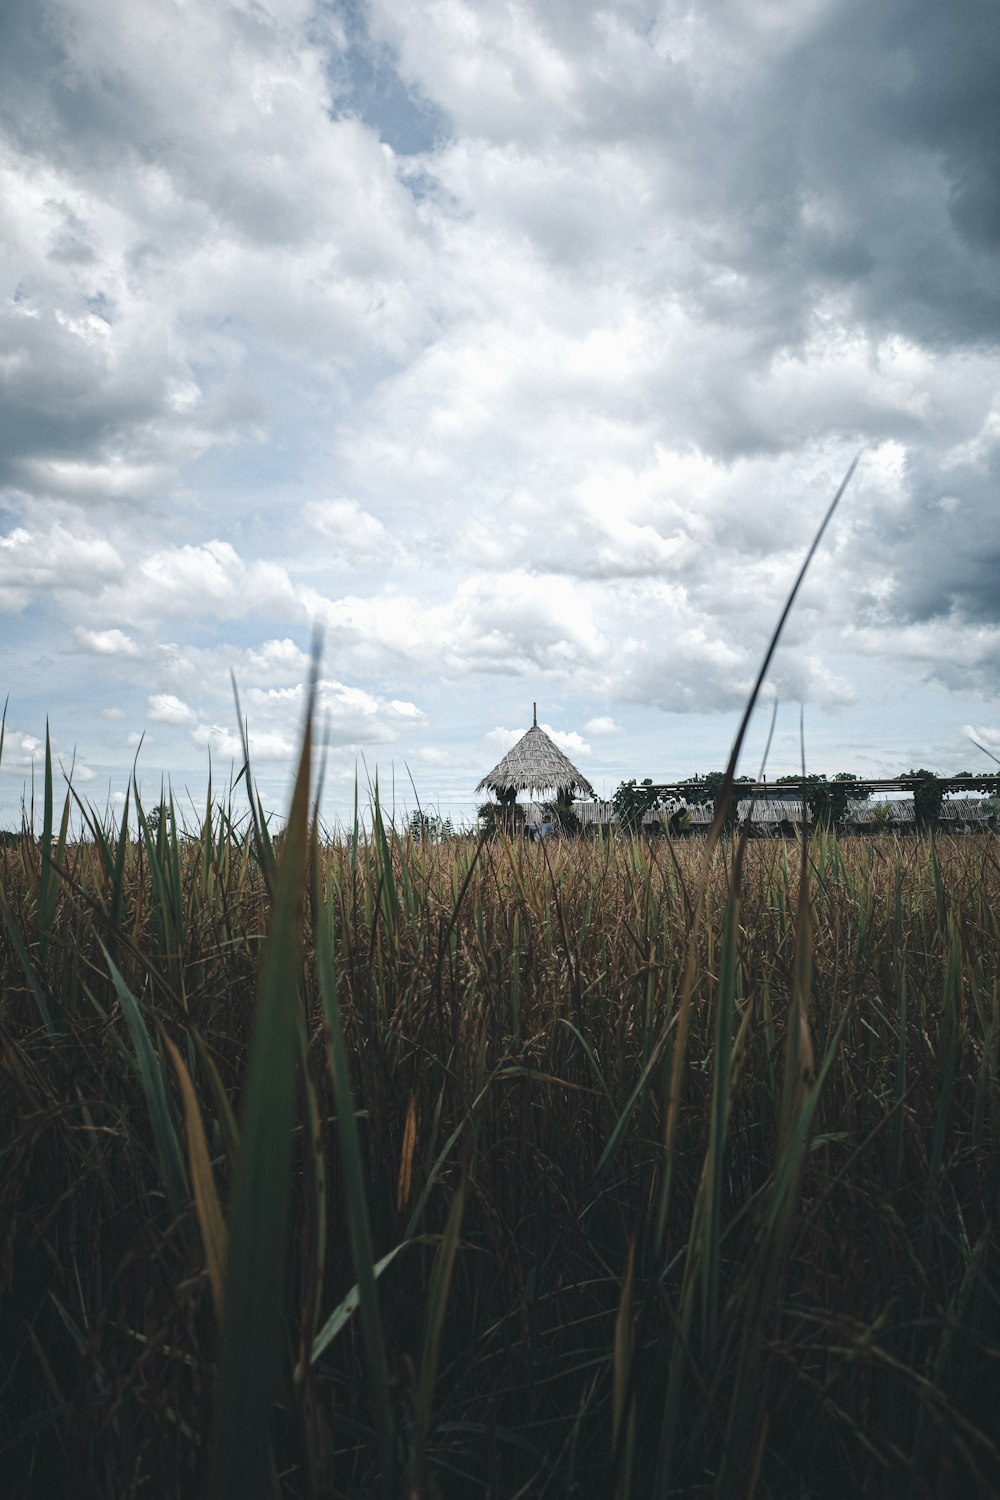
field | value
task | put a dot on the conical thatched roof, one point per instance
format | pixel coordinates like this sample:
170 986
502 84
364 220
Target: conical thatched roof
535 764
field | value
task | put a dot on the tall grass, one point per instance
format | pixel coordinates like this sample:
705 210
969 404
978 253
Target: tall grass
588 1169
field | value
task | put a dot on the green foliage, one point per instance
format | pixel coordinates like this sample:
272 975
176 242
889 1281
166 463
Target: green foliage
827 801
928 795
982 781
563 816
632 802
252 1359
430 827
490 818
704 791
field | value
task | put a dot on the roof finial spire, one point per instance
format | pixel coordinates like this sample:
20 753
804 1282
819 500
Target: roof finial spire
534 716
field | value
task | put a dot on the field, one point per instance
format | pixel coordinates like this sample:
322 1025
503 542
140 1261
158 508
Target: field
377 1167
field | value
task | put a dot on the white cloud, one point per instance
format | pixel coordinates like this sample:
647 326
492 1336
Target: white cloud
571 743
166 708
106 642
23 752
567 740
225 743
346 524
434 755
345 717
209 581
601 725
986 736
83 481
502 739
276 659
508 622
946 650
21 749
35 562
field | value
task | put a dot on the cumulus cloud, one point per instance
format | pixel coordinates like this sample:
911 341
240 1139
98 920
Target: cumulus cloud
276 659
517 346
988 737
346 717
568 740
52 561
225 743
106 642
507 623
21 749
209 580
24 752
344 522
946 650
166 708
433 755
154 228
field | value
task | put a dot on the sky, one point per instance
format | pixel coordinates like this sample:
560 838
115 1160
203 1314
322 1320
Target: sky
519 348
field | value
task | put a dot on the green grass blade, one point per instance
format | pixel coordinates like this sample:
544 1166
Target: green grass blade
214 1236
622 1402
252 1345
345 1309
228 1127
356 1193
591 1057
152 1077
725 1010
27 967
47 877
437 1302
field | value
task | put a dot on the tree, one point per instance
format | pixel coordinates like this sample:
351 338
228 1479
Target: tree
705 790
928 794
816 795
563 815
430 828
632 802
497 817
827 801
982 782
841 797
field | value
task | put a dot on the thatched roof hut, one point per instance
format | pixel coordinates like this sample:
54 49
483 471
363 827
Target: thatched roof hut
535 764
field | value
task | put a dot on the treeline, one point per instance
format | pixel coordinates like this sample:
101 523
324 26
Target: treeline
827 798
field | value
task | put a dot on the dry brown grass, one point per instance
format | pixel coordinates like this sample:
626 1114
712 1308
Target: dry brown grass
795 1289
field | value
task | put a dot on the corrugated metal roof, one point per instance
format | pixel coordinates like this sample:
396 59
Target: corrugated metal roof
788 809
772 810
901 810
868 810
968 809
